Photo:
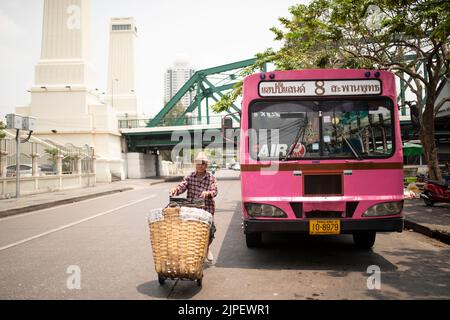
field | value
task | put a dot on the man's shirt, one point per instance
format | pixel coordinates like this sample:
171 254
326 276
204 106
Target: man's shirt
196 185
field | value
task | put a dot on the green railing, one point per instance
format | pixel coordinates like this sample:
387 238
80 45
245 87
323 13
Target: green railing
169 122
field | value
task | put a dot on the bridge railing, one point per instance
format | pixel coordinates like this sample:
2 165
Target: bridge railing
169 122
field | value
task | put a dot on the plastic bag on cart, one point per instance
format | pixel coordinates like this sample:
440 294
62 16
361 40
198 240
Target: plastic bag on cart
186 214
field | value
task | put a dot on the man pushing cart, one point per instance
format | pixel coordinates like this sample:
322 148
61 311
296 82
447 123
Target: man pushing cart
182 232
200 184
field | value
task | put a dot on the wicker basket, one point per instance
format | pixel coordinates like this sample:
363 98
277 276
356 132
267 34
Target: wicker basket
179 245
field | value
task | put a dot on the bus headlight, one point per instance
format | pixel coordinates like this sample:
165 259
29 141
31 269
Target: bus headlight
384 209
264 210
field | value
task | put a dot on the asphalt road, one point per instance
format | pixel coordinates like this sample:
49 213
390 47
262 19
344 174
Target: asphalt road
108 240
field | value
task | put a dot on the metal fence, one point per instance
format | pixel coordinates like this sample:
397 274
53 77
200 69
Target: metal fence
47 154
170 121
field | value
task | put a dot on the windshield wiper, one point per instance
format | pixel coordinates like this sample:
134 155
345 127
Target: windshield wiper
352 148
300 132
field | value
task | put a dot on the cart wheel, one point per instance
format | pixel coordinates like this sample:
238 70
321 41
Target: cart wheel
161 280
200 282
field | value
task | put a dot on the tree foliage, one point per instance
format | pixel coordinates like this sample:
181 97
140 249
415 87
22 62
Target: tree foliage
2 127
175 113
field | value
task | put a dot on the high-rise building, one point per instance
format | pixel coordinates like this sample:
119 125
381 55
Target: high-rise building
175 78
122 67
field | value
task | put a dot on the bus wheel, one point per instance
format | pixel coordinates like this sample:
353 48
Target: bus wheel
364 240
253 240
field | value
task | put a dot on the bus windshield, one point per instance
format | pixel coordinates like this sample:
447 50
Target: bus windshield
321 129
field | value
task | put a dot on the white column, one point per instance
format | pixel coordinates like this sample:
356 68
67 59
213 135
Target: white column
59 166
78 161
34 164
3 155
65 44
94 170
122 66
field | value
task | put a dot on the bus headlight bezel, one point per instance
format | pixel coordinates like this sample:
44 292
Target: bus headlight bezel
263 210
392 208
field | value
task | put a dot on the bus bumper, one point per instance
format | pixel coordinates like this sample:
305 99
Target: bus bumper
302 226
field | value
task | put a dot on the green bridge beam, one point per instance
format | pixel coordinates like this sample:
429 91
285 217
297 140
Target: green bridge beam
196 83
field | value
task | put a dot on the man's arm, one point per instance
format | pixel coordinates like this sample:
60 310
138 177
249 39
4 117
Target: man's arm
212 189
181 188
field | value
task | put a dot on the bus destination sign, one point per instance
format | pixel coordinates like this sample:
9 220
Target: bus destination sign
318 88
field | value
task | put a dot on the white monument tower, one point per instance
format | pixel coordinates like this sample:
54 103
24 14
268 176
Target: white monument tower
64 99
122 66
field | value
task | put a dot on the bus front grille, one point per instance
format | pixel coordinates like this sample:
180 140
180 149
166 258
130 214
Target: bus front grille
323 214
324 184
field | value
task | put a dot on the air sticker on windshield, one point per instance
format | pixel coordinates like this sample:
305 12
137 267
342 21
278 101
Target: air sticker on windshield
326 119
275 150
299 151
315 146
327 139
281 150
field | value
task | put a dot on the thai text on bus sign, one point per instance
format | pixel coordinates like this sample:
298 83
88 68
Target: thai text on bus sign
320 88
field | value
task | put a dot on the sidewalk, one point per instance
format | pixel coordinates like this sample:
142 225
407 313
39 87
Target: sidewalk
28 203
433 221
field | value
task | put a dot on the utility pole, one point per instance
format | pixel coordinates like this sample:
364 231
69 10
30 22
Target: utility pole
16 122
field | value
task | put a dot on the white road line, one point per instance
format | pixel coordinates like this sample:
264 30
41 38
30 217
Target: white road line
73 224
21 215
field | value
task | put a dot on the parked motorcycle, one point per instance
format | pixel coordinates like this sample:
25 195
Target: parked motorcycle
214 168
435 191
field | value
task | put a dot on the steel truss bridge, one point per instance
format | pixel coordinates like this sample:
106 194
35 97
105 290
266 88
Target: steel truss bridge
210 85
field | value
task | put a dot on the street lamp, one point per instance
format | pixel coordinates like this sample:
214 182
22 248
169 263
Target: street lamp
16 122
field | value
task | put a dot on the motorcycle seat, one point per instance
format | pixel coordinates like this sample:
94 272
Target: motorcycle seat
438 183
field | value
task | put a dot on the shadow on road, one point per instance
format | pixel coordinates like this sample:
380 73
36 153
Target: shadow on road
295 252
425 275
184 289
438 215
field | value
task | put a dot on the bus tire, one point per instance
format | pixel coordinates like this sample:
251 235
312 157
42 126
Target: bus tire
364 240
253 240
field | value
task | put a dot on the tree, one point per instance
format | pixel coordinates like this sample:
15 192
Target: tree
2 127
400 36
53 155
174 113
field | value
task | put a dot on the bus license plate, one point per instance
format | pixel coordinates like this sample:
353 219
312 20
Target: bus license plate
324 227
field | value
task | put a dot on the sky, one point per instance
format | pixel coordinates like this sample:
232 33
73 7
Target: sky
209 32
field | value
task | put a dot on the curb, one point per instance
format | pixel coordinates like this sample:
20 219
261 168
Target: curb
171 179
16 211
431 233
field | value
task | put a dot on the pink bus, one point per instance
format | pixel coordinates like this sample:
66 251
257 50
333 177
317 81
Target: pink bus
321 153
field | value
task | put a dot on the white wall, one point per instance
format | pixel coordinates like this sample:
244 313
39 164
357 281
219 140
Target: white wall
141 166
42 184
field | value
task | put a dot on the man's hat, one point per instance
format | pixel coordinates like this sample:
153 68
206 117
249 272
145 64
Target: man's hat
201 157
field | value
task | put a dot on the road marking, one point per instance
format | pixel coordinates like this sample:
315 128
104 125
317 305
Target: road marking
73 223
21 215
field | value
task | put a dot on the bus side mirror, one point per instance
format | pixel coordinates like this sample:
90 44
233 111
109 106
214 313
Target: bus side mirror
227 123
227 127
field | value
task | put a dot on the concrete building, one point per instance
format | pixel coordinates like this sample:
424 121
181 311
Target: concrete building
64 100
122 67
175 78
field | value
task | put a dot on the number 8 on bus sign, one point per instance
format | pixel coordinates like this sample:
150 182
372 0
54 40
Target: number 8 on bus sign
324 227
